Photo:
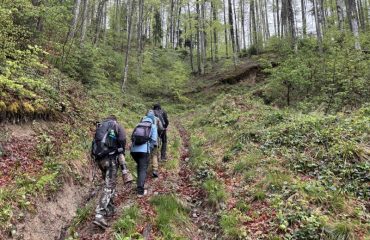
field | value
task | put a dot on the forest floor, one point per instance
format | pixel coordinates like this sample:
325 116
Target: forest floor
220 180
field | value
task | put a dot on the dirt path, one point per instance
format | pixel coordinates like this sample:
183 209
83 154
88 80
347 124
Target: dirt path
178 182
201 214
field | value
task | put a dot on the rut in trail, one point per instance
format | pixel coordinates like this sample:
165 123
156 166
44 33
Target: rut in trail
202 222
201 215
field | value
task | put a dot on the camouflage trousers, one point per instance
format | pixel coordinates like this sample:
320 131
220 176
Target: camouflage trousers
109 167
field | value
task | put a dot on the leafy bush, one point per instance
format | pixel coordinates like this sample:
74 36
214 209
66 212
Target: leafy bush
163 72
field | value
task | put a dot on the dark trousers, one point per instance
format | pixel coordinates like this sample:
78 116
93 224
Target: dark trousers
142 161
163 136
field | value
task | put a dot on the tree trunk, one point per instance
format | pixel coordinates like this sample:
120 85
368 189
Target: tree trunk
304 22
351 5
267 21
232 31
140 45
340 13
98 22
84 22
361 14
179 43
203 39
318 27
243 22
76 12
200 63
278 18
215 40
225 24
191 40
131 10
236 28
253 22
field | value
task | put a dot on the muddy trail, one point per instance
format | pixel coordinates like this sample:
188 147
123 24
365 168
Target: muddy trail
180 182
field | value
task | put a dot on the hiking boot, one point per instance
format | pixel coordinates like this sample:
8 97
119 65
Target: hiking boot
127 178
140 195
155 174
100 221
164 158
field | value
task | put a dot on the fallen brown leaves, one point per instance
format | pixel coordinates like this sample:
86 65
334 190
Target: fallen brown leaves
19 157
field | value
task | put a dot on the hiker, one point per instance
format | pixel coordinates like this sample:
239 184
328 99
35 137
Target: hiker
162 115
108 151
144 140
154 154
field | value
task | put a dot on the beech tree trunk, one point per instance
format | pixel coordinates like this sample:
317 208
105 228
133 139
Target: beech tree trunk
84 22
130 13
304 22
351 6
318 27
225 23
76 12
232 31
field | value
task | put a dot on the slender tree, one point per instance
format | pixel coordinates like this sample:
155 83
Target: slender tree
304 21
232 36
225 30
76 12
131 10
351 6
318 27
85 21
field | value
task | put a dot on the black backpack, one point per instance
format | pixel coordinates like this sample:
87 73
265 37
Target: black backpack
141 133
159 114
105 140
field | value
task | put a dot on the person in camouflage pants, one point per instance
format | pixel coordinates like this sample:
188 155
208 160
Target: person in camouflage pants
109 167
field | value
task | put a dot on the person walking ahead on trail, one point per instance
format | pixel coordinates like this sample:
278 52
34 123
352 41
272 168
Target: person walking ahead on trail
154 154
144 138
162 115
108 150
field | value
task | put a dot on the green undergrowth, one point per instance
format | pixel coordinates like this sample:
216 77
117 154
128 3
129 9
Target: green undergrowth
308 171
171 216
63 147
173 151
231 224
215 190
82 215
125 226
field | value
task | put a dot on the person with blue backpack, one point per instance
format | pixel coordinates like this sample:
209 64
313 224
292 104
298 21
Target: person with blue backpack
144 140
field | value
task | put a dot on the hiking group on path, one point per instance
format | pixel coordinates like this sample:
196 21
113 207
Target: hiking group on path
108 152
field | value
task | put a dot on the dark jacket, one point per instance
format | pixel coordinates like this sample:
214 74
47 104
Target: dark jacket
165 118
164 115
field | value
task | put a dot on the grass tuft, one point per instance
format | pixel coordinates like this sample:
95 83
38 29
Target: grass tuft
126 223
171 215
215 191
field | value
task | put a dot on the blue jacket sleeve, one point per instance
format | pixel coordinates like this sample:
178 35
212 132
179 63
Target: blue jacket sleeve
154 135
